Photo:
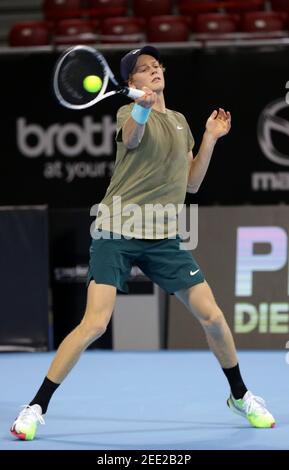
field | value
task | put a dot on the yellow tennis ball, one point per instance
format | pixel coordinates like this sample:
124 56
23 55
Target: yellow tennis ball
92 83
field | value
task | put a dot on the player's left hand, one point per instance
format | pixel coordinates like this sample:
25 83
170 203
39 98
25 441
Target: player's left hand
219 123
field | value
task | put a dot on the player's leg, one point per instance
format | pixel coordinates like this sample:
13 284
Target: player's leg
109 267
200 301
99 307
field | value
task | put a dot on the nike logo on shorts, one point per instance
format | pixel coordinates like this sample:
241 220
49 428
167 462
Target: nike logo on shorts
192 273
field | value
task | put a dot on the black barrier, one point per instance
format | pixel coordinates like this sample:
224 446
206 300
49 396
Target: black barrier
24 279
65 158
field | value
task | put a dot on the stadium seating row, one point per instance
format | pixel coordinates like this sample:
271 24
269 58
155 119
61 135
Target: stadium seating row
165 28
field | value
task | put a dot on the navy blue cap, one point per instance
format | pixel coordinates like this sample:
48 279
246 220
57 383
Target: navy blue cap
128 62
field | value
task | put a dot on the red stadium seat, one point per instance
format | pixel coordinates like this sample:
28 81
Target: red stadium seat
263 21
32 33
75 32
215 23
167 29
121 30
106 8
56 10
148 8
280 5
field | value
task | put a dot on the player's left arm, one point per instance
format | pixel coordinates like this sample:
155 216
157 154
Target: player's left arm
218 125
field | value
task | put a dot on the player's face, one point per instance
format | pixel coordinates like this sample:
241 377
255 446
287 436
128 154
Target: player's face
148 72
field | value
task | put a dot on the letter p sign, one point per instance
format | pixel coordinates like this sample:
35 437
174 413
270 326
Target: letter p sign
248 262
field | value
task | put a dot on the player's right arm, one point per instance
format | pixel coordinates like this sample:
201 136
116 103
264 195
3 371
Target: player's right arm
132 131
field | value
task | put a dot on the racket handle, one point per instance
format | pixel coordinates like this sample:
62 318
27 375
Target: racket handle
133 93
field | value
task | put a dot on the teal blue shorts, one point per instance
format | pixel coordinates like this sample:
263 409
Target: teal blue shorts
163 261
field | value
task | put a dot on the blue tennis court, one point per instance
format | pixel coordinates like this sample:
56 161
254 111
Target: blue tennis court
146 400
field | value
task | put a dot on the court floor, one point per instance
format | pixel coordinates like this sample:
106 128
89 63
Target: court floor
145 400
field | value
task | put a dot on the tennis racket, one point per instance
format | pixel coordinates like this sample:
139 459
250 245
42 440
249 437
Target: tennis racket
73 67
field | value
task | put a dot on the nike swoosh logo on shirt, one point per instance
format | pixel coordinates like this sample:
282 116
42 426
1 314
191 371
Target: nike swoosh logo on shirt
193 273
179 128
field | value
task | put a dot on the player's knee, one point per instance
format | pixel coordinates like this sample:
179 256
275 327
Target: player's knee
213 321
93 328
213 317
98 329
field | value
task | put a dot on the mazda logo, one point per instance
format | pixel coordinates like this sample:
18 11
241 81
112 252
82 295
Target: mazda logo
274 121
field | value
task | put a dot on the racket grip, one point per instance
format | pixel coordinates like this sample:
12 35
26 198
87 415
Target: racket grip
134 93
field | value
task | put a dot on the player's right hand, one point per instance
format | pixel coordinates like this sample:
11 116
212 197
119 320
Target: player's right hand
147 100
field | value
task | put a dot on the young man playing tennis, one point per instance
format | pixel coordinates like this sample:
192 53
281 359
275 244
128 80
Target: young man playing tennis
154 165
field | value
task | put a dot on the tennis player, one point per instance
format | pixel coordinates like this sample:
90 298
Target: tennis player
154 165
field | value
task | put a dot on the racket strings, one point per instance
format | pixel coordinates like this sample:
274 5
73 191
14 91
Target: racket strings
72 72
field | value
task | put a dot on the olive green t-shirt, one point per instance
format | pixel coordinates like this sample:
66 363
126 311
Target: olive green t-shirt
150 181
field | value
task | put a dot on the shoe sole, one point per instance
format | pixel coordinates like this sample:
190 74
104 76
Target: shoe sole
20 435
